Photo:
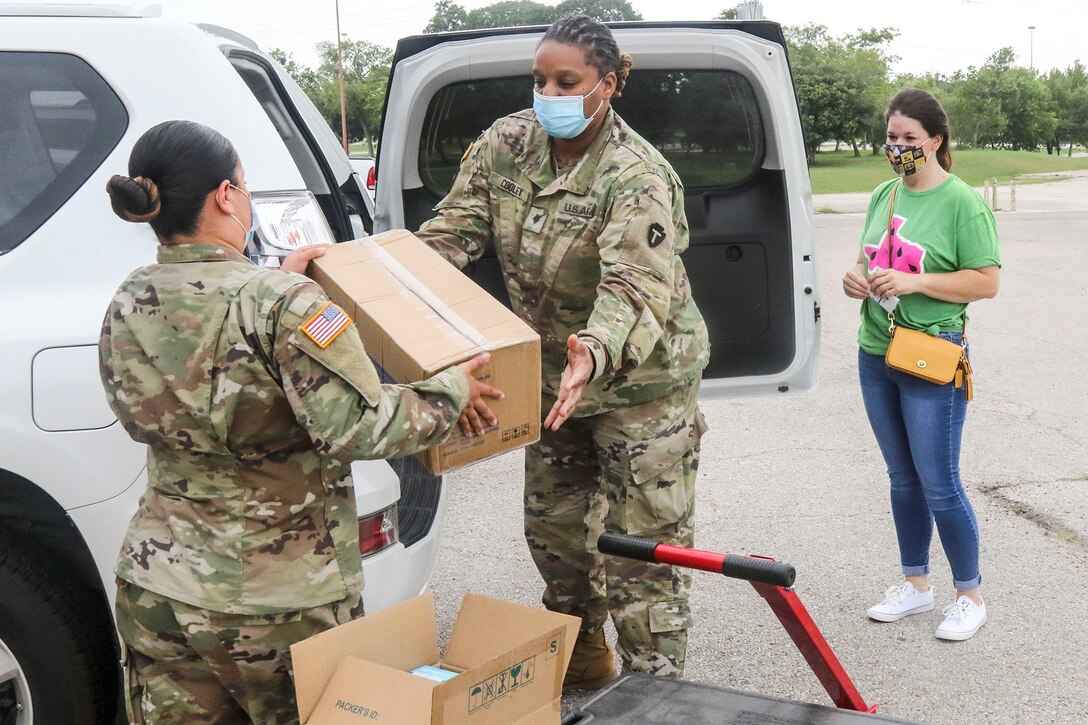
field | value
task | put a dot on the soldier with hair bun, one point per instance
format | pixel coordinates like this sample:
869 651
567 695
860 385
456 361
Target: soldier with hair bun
253 394
588 223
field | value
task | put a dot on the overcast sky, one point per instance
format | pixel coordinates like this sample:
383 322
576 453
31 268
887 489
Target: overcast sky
934 35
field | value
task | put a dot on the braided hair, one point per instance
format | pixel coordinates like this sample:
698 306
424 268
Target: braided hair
597 42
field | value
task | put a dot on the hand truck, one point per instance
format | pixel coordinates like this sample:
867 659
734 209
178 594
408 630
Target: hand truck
666 701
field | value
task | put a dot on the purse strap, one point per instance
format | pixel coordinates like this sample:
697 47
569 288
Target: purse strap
963 335
891 314
891 209
888 226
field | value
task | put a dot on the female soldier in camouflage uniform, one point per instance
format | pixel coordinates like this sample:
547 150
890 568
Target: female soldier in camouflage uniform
253 394
588 222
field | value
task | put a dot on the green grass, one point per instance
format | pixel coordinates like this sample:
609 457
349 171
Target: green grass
838 172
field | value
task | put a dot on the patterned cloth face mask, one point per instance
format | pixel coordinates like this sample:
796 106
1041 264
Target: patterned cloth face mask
906 160
562 116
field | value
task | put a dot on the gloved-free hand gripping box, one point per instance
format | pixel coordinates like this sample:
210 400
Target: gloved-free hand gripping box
510 661
417 315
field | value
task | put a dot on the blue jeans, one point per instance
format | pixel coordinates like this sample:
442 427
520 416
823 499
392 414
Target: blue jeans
919 427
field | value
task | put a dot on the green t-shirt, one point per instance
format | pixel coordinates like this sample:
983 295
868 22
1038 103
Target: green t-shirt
944 229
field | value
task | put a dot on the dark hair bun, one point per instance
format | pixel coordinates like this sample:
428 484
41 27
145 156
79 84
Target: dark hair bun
134 200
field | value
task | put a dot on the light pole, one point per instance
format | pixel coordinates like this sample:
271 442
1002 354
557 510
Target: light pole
1031 47
340 62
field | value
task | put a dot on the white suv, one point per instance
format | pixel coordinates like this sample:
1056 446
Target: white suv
78 86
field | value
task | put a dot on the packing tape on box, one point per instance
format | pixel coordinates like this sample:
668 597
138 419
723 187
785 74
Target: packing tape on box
413 285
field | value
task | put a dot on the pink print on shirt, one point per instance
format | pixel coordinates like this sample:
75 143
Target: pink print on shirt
907 256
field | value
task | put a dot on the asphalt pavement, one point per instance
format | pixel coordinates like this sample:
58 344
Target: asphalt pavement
800 479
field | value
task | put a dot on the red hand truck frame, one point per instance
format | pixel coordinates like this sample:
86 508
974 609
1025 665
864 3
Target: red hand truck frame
773 581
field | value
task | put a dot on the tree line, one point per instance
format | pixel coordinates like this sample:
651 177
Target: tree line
842 82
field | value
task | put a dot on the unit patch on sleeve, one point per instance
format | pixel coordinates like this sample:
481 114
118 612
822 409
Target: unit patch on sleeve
655 235
326 325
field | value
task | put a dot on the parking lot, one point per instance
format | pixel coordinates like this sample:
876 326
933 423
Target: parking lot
801 479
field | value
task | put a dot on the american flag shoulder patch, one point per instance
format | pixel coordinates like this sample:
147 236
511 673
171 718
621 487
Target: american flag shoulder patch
326 325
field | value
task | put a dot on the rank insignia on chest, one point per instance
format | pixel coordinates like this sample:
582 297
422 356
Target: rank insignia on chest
326 325
536 220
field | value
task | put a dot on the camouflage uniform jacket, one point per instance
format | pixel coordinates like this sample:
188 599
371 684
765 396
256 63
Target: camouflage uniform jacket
594 251
250 427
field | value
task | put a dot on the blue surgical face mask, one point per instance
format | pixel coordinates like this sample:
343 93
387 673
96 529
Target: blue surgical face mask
563 116
255 221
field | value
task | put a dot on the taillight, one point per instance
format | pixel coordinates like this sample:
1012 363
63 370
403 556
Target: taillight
378 531
289 219
372 178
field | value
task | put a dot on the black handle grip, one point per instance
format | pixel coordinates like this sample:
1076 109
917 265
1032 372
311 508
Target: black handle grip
738 566
753 569
623 545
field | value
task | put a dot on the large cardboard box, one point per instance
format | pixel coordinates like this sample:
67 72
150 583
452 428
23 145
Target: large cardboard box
511 660
418 314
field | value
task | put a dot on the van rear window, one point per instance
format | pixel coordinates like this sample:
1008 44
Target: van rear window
58 122
706 123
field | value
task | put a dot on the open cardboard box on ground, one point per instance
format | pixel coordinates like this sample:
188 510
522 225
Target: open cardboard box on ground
511 660
417 315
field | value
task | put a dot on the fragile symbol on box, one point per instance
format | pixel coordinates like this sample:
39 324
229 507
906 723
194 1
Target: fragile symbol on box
501 684
513 433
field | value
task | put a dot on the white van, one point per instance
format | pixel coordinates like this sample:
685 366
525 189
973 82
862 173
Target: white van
78 86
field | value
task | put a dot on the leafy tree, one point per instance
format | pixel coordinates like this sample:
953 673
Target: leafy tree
308 80
449 15
729 14
1001 105
366 74
602 10
973 116
842 84
1069 92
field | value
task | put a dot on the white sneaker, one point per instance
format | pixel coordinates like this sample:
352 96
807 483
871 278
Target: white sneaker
962 619
902 601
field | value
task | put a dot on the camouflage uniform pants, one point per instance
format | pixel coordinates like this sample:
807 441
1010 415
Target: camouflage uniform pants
186 665
628 471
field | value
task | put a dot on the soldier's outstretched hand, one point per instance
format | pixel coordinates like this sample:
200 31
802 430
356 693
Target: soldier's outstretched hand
477 414
576 374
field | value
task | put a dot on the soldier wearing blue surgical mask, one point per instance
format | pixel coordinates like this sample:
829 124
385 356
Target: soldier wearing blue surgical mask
588 222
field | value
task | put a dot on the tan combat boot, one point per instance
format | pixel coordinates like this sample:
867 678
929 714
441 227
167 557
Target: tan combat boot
592 666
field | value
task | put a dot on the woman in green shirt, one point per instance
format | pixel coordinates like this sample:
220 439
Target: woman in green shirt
938 253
